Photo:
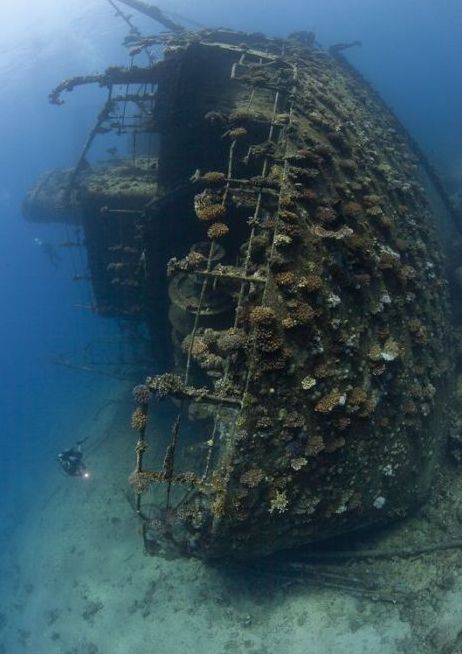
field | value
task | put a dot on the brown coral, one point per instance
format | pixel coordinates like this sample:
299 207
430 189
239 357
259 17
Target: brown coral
232 340
371 200
378 369
267 337
357 397
348 165
214 177
300 314
352 209
324 151
267 340
199 347
340 141
357 242
309 195
375 352
330 401
217 230
386 222
211 362
336 234
141 394
294 232
343 423
218 505
252 477
208 212
375 211
310 283
389 261
242 115
335 444
294 420
207 206
359 400
324 370
315 445
237 133
326 215
307 174
264 422
273 361
407 273
287 201
288 216
391 350
309 156
166 384
409 407
285 279
262 315
418 331
192 261
139 419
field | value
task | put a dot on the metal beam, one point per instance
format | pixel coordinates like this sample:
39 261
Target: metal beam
153 12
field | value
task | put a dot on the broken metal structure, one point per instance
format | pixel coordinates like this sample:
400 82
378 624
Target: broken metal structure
271 224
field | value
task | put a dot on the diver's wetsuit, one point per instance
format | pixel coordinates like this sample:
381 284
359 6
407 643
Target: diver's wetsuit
71 461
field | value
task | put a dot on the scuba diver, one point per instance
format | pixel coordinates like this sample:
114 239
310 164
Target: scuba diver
49 250
71 461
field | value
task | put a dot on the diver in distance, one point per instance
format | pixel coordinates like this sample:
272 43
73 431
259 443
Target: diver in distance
71 461
49 250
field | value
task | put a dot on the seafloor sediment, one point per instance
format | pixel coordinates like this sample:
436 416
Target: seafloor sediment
75 581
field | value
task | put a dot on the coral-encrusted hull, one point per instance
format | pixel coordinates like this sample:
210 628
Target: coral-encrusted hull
282 217
336 353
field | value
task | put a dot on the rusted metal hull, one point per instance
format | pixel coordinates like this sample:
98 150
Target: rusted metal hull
315 347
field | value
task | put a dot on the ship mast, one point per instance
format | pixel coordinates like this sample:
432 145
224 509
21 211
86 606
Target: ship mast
153 12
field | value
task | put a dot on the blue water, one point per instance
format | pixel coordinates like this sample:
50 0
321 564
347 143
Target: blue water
411 53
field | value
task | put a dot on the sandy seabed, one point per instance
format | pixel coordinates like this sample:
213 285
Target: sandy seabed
75 580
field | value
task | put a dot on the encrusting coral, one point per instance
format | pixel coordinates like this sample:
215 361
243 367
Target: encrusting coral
279 502
217 230
252 477
285 279
213 177
139 419
352 209
237 133
232 339
300 313
310 283
308 382
330 401
207 208
326 214
209 212
141 394
262 315
336 234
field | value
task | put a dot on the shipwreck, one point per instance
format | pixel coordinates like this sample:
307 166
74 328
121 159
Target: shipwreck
270 220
